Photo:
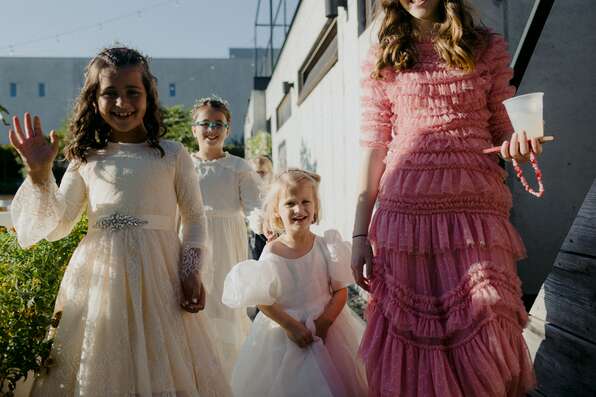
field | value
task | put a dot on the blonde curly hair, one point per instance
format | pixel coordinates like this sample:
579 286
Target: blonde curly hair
281 183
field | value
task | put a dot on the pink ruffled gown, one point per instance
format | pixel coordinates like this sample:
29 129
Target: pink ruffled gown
445 317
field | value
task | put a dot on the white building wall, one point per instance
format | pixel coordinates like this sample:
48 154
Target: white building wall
320 134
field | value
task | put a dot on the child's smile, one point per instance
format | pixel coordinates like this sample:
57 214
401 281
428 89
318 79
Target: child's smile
210 127
122 101
297 206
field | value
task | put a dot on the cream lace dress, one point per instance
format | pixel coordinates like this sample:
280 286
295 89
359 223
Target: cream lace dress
122 331
231 193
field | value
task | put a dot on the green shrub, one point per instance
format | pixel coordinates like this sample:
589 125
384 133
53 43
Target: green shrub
259 145
179 123
29 282
10 170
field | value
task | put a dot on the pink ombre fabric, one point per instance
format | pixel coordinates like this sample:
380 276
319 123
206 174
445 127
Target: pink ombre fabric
445 317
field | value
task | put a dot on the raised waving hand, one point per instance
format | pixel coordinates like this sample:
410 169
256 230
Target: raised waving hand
37 153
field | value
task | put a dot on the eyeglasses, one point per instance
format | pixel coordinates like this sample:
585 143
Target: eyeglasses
214 125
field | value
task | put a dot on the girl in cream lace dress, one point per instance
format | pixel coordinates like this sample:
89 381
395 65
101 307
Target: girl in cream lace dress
123 331
230 190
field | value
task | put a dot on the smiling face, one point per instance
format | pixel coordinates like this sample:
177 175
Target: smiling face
297 207
425 10
122 100
210 128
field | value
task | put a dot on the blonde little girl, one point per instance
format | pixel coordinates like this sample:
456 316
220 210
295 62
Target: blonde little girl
304 340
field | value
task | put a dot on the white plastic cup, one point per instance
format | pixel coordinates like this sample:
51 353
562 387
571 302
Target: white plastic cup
525 113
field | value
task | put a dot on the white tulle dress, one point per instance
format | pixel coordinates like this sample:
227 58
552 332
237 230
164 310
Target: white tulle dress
231 194
269 363
122 331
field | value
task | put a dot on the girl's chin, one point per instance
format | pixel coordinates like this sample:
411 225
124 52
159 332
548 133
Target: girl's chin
299 225
213 143
123 129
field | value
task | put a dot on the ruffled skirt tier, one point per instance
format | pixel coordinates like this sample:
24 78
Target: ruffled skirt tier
446 316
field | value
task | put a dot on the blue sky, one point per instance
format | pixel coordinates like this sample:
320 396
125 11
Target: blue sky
159 28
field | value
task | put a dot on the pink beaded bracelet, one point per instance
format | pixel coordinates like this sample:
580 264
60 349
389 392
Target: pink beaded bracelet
520 175
519 172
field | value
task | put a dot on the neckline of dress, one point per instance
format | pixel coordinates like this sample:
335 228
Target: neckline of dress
310 251
196 156
127 143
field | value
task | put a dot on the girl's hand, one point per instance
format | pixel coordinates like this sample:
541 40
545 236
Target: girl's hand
193 293
322 325
37 154
299 334
362 254
519 147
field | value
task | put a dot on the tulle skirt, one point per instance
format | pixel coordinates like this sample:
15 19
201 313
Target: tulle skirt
122 331
271 365
229 245
445 317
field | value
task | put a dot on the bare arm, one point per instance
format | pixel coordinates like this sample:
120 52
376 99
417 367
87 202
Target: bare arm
332 310
371 170
296 331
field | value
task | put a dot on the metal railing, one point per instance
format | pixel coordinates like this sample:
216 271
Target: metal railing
275 24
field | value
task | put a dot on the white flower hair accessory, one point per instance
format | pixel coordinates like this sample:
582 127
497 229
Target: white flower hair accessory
211 98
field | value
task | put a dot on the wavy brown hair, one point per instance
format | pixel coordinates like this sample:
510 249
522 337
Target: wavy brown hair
457 39
88 130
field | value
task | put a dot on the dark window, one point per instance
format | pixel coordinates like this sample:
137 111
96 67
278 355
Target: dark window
268 125
322 57
371 9
13 89
284 110
172 89
41 89
282 157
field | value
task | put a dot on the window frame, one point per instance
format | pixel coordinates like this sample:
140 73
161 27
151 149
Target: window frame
281 118
368 10
318 56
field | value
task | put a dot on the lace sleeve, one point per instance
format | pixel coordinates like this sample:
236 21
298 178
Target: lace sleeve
377 117
46 211
250 196
499 124
190 203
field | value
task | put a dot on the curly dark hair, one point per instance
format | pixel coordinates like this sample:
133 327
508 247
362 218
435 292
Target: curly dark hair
87 128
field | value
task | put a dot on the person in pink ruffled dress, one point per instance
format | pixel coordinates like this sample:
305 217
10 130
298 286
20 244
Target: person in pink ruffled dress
445 316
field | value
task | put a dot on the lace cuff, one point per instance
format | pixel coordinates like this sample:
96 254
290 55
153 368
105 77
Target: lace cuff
36 211
191 262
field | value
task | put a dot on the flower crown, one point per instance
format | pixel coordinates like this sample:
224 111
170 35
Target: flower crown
212 98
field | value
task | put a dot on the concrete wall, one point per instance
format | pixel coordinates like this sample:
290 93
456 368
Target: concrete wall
229 78
322 133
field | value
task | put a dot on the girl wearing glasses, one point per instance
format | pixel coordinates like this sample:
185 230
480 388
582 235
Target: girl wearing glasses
230 190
